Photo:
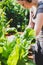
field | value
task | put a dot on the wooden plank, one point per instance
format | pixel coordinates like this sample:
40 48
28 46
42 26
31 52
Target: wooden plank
26 4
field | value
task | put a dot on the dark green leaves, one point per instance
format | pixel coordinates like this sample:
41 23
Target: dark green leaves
18 13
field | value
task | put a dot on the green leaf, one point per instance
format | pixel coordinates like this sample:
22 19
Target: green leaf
14 56
1 49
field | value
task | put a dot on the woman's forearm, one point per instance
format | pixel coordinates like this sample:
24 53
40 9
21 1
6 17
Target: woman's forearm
39 23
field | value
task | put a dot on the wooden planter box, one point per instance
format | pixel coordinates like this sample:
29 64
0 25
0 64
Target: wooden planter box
26 4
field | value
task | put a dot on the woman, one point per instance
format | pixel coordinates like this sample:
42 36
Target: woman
38 27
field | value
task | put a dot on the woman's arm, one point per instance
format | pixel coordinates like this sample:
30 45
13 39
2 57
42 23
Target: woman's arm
39 23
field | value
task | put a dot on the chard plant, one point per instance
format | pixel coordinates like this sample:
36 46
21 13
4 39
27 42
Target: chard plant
19 55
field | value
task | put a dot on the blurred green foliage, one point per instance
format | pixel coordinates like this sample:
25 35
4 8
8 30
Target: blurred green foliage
16 12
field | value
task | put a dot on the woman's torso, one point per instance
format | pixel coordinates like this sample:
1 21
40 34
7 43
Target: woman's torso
40 10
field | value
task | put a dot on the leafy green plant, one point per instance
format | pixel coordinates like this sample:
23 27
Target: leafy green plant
5 46
19 55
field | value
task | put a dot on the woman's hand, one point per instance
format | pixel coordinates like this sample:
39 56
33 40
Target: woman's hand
32 20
